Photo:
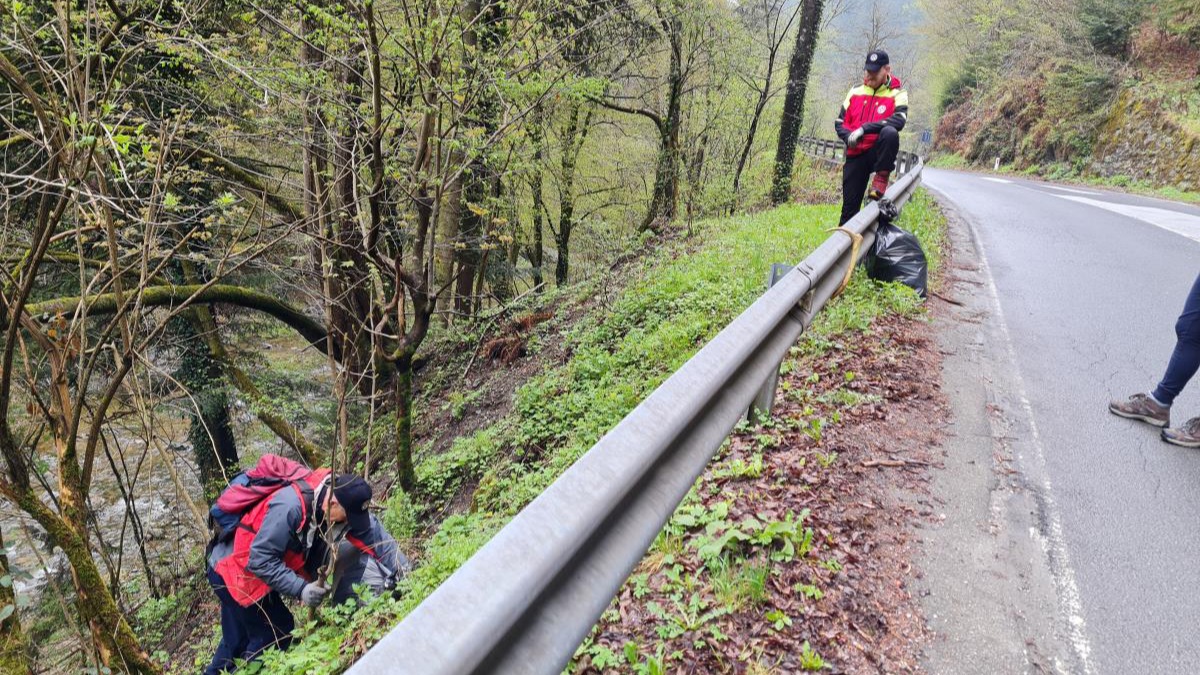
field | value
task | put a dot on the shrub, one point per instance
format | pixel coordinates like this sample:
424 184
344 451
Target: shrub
1179 17
1109 24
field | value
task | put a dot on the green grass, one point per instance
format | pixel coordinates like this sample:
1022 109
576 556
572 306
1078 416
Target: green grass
948 160
680 298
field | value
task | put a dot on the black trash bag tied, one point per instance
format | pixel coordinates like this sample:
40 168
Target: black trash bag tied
896 255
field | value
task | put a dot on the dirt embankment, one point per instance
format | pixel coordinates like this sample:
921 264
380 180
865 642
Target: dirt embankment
862 475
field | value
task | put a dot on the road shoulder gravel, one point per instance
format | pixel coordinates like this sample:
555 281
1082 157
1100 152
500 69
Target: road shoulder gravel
990 588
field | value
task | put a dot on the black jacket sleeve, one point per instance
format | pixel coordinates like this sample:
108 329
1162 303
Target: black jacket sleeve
897 120
839 125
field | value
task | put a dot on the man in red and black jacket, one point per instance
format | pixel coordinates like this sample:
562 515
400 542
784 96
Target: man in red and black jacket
869 123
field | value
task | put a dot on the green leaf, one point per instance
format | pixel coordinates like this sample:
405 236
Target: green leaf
7 611
631 653
6 581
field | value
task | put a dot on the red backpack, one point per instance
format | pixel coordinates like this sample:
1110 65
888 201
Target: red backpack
250 487
255 500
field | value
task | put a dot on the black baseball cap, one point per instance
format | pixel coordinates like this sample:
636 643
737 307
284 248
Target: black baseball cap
876 60
353 493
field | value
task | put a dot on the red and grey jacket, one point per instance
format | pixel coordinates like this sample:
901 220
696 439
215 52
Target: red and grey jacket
272 542
269 544
872 110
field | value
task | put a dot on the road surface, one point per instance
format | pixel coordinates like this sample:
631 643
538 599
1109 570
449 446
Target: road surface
1070 539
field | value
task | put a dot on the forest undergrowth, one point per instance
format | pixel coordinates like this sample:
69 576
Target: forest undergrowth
593 353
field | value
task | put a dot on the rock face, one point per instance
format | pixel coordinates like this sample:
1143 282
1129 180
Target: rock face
1142 141
1133 119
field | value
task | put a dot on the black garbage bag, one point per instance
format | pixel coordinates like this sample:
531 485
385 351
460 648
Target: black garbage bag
896 255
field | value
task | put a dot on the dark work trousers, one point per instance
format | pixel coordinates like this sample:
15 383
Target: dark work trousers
856 172
1185 360
247 631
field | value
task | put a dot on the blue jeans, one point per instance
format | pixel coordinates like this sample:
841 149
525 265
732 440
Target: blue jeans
247 631
1185 360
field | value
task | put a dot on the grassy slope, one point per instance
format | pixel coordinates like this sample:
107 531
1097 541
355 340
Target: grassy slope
682 296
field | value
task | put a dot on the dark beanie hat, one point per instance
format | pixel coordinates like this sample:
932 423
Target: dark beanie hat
353 493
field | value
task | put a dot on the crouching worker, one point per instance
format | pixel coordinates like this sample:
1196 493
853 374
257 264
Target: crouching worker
266 523
378 573
869 123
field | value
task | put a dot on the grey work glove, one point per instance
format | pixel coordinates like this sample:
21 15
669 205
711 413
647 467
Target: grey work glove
855 138
313 594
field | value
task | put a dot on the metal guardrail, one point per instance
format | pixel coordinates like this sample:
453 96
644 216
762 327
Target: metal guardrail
834 152
526 600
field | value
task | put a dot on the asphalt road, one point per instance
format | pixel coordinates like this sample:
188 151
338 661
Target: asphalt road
1091 526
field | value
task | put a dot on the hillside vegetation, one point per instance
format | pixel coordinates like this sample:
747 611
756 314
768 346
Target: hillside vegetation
233 228
613 354
1101 89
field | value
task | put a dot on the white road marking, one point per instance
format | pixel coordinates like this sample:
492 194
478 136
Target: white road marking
1054 542
1078 192
996 180
1173 221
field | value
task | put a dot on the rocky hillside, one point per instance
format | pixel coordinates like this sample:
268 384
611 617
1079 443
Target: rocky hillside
1128 112
1152 132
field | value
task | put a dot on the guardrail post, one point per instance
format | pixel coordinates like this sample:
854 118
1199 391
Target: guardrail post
765 399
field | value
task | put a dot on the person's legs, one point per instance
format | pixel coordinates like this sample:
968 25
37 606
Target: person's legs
233 634
887 146
1155 407
856 172
269 624
1185 359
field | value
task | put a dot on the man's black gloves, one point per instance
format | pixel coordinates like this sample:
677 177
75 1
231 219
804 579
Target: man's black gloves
854 138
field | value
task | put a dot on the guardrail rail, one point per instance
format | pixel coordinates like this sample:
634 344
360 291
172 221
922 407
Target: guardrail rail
526 600
832 152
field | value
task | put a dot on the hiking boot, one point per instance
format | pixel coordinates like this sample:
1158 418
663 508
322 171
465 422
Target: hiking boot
1143 408
1187 435
879 185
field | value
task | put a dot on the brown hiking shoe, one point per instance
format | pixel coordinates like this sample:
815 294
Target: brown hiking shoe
1187 435
1142 407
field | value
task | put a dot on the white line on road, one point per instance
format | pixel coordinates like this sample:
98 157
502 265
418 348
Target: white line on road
996 180
1078 192
1172 221
1054 542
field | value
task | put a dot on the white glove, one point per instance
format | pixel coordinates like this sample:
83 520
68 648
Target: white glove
313 594
855 138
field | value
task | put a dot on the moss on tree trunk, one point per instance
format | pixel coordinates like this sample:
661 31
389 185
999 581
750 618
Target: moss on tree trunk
118 647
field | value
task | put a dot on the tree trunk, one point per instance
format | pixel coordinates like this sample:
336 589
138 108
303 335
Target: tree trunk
793 104
114 639
573 137
202 373
14 645
479 181
695 175
764 95
537 251
444 256
352 310
470 232
665 199
405 472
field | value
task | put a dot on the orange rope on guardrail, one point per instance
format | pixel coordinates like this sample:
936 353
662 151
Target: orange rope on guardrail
856 240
